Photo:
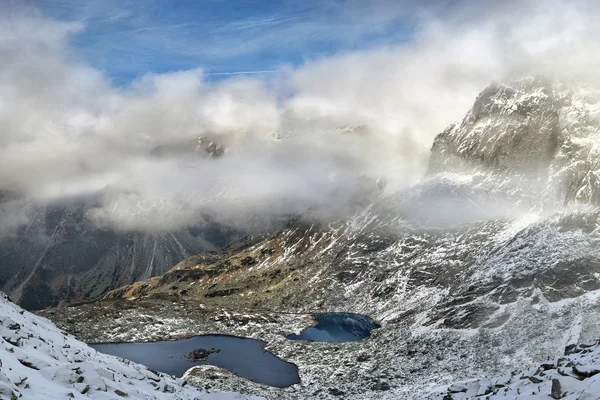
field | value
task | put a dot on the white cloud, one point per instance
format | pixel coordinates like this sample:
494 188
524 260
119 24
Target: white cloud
65 130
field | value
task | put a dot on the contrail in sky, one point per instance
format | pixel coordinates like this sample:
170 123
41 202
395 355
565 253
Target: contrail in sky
241 72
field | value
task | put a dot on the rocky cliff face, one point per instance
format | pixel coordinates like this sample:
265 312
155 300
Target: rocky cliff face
492 262
535 136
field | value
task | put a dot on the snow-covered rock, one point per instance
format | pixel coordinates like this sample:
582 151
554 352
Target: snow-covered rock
574 376
40 362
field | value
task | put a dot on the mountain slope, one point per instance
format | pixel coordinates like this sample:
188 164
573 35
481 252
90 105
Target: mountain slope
59 254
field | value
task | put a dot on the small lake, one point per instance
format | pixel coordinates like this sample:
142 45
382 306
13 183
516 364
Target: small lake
243 356
338 327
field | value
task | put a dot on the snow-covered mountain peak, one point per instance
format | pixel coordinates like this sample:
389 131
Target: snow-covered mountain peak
531 136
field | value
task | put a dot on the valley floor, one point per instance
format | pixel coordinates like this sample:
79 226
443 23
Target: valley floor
394 363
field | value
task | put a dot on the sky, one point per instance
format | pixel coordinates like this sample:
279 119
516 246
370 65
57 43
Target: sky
129 38
90 89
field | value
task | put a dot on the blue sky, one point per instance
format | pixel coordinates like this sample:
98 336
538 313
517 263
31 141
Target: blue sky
128 38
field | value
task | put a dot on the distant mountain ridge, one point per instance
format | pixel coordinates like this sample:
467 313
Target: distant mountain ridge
60 255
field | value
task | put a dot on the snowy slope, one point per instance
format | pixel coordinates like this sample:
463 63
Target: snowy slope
38 361
574 376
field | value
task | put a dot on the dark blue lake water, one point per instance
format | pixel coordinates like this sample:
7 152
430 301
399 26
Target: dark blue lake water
242 356
338 327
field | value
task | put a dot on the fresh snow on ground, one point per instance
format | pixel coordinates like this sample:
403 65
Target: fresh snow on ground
574 376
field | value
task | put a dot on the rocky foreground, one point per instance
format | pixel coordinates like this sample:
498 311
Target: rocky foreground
572 376
40 362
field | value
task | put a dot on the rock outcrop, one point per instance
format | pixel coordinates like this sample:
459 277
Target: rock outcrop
533 136
572 376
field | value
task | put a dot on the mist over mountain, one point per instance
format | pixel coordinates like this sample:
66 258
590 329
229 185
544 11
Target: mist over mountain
68 131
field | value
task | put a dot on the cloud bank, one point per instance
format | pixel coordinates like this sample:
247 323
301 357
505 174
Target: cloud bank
66 131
